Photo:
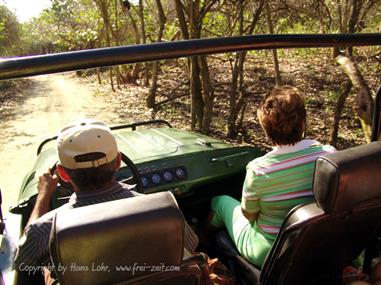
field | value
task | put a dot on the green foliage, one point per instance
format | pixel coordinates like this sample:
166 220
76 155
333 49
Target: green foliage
333 96
67 25
77 24
373 21
9 32
39 34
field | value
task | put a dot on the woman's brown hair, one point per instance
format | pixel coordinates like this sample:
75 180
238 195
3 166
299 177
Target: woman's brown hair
282 115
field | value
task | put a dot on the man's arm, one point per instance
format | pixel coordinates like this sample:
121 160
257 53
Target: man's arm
47 183
33 245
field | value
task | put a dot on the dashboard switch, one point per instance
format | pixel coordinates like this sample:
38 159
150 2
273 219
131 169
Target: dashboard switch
180 173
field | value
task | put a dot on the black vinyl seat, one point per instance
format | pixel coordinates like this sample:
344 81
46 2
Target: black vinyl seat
318 240
237 264
127 241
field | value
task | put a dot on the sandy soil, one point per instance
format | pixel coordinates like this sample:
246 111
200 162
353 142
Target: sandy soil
49 103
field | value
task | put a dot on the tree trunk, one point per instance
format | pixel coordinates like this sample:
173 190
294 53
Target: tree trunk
144 40
150 101
182 20
339 108
364 100
275 53
240 122
201 89
110 68
197 105
185 33
208 92
233 106
133 23
103 8
117 43
237 69
99 76
197 108
237 95
353 18
151 96
132 75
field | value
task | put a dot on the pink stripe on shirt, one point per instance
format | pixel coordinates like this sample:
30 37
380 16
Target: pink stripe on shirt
287 163
304 193
269 229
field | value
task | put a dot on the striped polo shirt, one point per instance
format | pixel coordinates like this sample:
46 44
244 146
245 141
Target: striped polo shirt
279 181
33 248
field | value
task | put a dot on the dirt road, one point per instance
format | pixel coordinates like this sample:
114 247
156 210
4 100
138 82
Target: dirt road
51 102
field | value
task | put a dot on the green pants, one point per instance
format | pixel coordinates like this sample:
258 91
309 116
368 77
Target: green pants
248 239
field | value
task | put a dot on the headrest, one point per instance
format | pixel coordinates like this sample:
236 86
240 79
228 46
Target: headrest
346 179
118 240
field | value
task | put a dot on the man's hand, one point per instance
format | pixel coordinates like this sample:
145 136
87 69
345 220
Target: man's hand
47 183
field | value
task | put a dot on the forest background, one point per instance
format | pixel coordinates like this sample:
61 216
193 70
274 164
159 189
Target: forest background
217 94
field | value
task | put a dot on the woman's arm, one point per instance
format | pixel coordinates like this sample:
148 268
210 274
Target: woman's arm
250 201
252 217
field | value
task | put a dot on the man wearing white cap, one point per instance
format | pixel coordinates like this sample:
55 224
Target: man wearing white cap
88 159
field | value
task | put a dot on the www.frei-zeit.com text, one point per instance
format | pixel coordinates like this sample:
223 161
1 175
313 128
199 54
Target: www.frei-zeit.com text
94 267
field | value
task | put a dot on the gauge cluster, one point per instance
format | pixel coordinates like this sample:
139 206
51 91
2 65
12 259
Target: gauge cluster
153 176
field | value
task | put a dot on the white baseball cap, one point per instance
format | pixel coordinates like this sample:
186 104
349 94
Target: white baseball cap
86 143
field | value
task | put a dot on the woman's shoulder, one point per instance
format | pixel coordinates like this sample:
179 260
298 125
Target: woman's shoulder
322 147
278 154
260 162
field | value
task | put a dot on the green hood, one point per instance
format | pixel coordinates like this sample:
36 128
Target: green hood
142 146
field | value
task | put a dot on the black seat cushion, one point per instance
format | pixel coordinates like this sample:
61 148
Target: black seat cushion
118 240
240 267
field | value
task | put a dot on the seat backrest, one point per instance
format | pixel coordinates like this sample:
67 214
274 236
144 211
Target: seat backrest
120 241
317 240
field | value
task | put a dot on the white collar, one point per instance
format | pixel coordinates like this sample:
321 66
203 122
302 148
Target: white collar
303 144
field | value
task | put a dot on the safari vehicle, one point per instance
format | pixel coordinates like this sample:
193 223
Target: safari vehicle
316 241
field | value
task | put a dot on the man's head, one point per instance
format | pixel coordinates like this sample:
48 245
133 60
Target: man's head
88 154
282 115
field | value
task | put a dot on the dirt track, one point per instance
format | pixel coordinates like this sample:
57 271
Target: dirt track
51 102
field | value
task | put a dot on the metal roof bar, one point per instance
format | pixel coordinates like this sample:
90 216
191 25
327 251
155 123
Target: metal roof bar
68 61
376 124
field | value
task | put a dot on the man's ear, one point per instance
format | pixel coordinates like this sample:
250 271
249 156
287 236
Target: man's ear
118 161
62 173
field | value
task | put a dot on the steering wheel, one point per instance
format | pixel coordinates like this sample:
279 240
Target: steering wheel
134 179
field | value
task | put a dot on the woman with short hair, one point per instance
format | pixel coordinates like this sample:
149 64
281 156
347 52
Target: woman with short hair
275 182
